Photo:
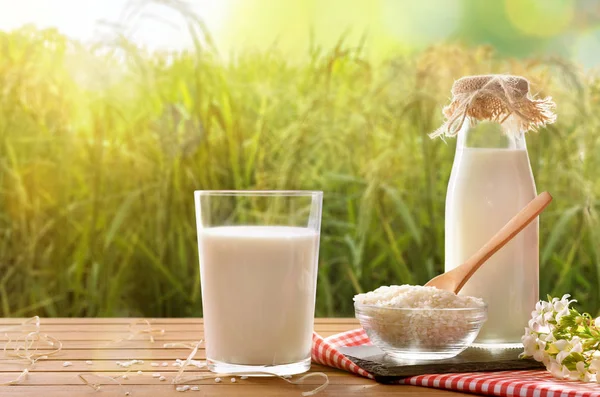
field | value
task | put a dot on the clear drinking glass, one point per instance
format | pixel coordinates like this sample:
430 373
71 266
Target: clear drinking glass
258 265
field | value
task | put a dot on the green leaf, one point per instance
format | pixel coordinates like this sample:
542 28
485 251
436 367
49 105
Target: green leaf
404 213
559 229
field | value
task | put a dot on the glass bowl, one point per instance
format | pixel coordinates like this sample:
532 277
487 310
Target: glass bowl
424 334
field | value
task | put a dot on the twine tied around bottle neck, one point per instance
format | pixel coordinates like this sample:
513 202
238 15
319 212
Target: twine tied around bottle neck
495 98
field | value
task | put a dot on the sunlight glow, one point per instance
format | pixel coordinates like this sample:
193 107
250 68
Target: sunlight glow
542 18
162 27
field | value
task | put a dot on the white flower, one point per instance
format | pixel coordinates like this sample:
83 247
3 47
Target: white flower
535 326
577 345
534 347
543 306
582 372
540 352
567 347
542 313
564 349
531 325
529 345
558 371
595 365
560 304
561 344
562 355
547 359
548 338
563 312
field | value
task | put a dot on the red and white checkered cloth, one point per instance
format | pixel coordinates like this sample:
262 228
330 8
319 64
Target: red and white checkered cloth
538 383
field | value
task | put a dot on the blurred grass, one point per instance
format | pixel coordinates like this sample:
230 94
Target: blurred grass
101 147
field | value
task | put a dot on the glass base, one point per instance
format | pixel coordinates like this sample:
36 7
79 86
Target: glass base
425 355
259 370
514 345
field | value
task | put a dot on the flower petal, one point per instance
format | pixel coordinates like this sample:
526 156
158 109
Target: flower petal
561 356
595 364
561 344
539 356
555 369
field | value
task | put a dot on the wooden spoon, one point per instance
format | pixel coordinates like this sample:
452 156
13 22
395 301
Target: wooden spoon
456 278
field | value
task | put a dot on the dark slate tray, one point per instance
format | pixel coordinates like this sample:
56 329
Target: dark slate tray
387 369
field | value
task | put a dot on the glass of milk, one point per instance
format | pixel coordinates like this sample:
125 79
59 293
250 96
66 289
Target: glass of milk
258 265
491 181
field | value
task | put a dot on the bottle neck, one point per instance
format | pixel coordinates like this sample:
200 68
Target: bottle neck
491 135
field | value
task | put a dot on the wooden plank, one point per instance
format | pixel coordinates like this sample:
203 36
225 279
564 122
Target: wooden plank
167 328
103 320
113 336
125 354
147 378
102 345
224 389
174 336
128 320
110 366
100 366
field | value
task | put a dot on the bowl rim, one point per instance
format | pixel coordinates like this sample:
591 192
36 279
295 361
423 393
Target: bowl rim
358 306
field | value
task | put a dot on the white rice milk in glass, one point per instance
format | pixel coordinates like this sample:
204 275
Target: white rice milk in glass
258 266
491 181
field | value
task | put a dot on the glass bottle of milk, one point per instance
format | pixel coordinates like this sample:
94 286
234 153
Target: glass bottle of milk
491 181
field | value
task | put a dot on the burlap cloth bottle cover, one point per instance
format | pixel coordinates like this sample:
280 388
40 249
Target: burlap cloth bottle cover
498 98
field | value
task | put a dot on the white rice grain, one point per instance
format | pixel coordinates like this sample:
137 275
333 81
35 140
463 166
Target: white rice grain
416 296
427 328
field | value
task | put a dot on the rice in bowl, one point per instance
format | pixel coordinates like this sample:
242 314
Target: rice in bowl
409 321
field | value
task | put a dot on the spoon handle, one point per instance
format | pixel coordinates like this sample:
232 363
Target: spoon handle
504 235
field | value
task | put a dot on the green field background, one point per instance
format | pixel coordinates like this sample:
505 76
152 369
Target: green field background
102 146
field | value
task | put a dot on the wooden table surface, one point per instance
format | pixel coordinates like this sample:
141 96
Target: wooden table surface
93 339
